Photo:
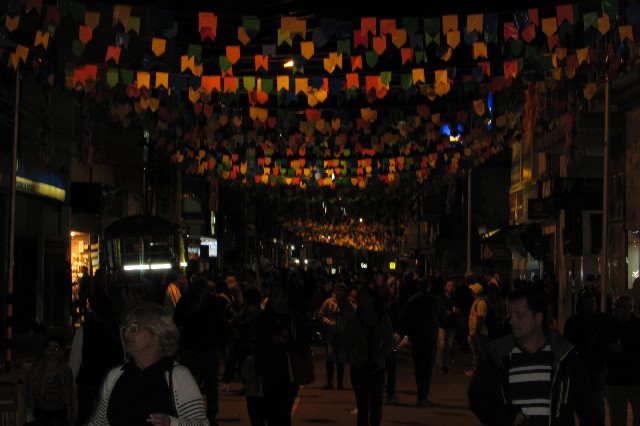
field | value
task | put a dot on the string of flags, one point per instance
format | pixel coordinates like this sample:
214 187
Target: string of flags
245 142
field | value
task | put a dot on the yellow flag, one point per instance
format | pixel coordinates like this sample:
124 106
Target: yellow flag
162 80
604 24
626 32
302 85
283 82
478 106
194 95
479 50
582 55
144 80
306 49
449 23
158 46
453 39
418 75
549 26
12 23
41 39
475 23
92 19
589 90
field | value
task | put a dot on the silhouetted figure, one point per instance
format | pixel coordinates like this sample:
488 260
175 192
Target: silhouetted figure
95 349
201 322
419 323
622 345
368 340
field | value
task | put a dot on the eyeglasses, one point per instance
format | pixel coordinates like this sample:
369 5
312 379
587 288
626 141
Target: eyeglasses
54 348
132 327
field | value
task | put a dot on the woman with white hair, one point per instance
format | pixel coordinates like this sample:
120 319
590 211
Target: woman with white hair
151 388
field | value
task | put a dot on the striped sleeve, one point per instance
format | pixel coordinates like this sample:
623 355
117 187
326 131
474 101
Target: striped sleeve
188 399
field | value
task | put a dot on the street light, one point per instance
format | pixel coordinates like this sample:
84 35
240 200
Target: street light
8 44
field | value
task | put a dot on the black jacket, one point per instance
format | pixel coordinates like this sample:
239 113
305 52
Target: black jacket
571 390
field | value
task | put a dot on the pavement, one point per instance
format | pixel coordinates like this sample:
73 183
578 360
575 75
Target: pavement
317 406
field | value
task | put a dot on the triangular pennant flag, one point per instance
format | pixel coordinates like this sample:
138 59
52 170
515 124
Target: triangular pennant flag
85 34
158 46
449 23
243 36
41 39
400 38
307 49
12 22
453 39
92 19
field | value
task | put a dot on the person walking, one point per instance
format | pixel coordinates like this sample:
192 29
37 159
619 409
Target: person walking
95 349
622 346
368 340
446 312
532 376
478 330
201 322
334 314
419 323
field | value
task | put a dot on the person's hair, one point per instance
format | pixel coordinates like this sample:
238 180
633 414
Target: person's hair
171 276
153 318
423 285
536 302
377 302
53 338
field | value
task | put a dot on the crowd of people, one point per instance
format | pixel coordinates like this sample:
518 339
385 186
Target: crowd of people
164 361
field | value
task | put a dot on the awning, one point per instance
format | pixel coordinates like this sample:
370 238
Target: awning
520 239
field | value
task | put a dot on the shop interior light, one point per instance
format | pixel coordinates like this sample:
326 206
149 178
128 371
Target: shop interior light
156 266
183 264
136 267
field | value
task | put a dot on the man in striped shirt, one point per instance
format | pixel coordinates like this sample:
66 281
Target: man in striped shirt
533 376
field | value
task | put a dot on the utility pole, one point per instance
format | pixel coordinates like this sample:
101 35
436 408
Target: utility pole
604 272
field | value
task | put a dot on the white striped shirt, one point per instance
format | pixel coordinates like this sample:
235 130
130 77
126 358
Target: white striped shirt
530 383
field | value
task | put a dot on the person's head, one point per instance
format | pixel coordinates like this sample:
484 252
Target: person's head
149 330
252 297
423 285
591 280
53 348
198 288
340 291
586 304
528 314
369 301
278 300
623 308
476 290
378 278
449 287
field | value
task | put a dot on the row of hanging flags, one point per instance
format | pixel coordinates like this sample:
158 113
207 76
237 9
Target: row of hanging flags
325 147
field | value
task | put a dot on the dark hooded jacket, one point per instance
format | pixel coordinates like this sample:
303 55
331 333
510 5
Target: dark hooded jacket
571 390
